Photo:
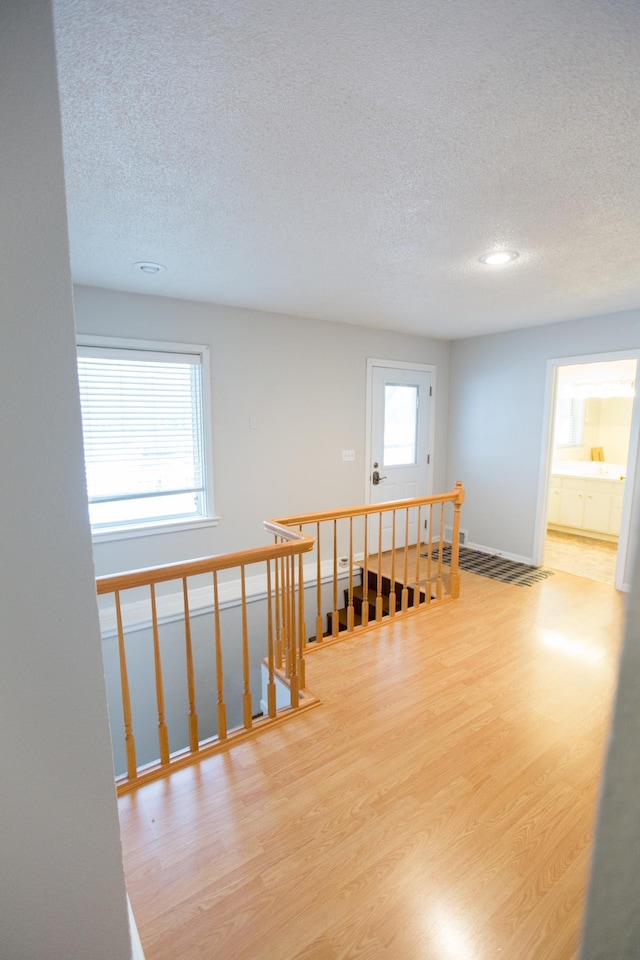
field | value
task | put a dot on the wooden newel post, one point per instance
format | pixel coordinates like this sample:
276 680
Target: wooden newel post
454 584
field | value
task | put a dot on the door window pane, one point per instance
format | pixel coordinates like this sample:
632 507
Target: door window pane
400 424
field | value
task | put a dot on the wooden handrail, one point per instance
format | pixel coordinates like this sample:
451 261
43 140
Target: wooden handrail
294 543
454 496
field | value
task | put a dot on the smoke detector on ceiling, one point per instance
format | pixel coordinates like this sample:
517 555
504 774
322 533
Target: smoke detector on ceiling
146 266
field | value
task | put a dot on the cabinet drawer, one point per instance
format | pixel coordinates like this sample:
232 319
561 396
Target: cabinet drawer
573 483
603 486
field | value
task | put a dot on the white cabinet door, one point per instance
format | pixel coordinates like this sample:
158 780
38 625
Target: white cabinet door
597 508
590 504
554 505
571 510
615 515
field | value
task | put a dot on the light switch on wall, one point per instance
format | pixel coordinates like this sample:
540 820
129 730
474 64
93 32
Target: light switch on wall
348 455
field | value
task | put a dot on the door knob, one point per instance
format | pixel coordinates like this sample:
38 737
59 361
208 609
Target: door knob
376 478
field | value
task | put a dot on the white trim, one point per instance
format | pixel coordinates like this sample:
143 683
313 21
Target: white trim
150 346
398 365
169 526
136 614
544 469
136 947
169 347
495 552
624 571
623 574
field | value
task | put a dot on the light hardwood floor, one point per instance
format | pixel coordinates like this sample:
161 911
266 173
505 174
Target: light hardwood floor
438 805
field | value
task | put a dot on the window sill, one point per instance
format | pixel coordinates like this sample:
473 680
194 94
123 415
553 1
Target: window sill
170 526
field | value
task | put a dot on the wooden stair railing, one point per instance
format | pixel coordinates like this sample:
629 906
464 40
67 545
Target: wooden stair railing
186 672
282 647
395 549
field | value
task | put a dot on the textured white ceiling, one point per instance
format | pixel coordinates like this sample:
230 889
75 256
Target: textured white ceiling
351 159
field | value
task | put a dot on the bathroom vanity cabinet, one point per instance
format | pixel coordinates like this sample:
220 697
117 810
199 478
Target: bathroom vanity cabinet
592 505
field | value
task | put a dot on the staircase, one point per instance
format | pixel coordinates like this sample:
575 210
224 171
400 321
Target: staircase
307 549
369 595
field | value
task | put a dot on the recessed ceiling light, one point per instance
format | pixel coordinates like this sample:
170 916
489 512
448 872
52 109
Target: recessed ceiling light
499 257
145 266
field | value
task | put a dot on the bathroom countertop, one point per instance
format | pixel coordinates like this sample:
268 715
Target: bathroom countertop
590 470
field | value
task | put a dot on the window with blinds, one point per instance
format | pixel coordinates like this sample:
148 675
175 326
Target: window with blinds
569 422
144 437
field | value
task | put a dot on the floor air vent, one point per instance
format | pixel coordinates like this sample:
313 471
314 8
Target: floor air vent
448 535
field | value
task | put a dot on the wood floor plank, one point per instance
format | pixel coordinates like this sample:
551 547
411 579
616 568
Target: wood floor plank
439 804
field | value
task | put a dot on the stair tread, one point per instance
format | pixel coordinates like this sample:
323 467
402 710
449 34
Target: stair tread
373 594
361 595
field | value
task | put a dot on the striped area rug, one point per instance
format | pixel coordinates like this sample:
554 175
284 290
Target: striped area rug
496 568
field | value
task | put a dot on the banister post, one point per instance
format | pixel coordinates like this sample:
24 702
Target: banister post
454 576
302 630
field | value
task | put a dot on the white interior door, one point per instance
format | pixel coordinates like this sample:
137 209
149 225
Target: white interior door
399 451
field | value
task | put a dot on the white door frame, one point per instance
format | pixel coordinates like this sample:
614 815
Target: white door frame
623 575
398 365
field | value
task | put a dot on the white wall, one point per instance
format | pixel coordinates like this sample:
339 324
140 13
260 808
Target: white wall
612 927
606 424
62 893
303 382
496 407
614 423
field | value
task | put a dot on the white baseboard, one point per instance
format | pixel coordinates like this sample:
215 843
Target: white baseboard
495 552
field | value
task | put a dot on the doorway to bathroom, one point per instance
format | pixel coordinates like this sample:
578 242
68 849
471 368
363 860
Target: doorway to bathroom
590 440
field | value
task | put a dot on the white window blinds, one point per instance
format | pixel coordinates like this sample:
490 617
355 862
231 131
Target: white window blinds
569 422
142 417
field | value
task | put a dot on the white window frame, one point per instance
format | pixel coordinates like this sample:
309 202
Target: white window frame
146 528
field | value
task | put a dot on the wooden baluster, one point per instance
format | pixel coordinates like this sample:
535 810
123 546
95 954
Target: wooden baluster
293 631
302 627
365 574
429 589
246 666
302 631
163 733
392 588
194 743
319 620
294 677
271 686
279 612
284 590
221 705
286 619
129 739
379 581
439 584
454 576
286 616
335 618
417 590
405 575
350 611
